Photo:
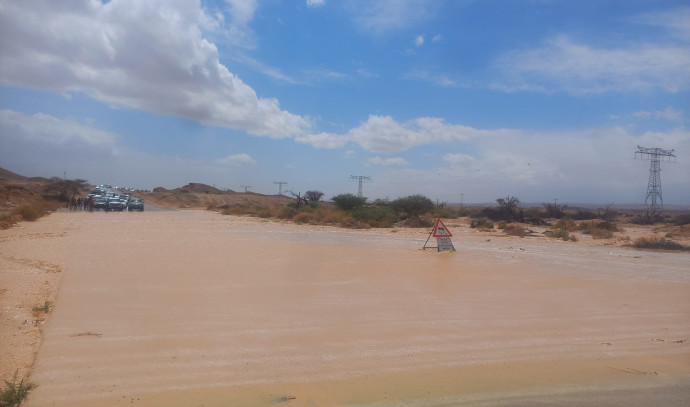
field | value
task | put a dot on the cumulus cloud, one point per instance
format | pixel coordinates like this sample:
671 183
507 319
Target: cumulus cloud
388 161
419 40
382 134
563 64
236 160
149 55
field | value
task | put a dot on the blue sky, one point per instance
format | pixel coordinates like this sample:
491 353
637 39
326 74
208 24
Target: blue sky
539 99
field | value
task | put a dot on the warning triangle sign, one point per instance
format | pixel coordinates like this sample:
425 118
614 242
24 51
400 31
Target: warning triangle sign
440 230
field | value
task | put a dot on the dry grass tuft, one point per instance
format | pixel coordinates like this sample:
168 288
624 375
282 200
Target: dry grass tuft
658 243
515 230
599 229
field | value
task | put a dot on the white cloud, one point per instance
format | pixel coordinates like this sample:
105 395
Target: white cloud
562 64
382 134
460 160
141 55
437 38
236 160
315 3
419 40
669 114
676 21
382 16
433 78
388 161
42 128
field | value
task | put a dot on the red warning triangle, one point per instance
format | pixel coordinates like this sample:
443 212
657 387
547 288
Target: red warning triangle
440 230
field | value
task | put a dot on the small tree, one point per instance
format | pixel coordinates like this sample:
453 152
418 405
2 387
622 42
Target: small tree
508 209
348 202
554 210
63 190
412 206
313 196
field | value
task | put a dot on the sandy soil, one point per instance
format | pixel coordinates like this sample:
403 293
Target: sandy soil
194 308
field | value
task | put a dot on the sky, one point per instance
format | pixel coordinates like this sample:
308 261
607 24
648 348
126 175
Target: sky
459 100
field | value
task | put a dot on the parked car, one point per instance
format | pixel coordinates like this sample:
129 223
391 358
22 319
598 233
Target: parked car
100 202
135 204
115 204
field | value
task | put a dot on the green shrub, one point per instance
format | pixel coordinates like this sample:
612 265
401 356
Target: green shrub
413 205
481 223
561 233
376 216
447 213
348 202
14 393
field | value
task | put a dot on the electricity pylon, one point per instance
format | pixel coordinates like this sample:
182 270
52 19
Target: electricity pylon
654 202
246 187
280 186
360 178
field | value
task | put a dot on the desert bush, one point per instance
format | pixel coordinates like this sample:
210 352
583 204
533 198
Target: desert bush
304 217
481 223
567 224
554 210
682 219
447 213
508 209
584 214
413 205
332 216
533 213
30 212
286 212
375 216
656 242
515 230
561 233
14 393
418 222
348 202
599 229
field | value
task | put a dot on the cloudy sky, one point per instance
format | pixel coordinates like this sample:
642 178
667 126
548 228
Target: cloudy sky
540 99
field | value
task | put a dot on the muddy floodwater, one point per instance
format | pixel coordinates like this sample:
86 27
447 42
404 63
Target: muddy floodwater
192 308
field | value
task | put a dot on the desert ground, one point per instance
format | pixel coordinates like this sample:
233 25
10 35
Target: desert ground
193 308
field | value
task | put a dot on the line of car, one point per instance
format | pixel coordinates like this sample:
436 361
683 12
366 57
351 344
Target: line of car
108 199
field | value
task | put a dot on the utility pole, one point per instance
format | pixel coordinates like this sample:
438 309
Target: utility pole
246 187
280 186
653 202
360 178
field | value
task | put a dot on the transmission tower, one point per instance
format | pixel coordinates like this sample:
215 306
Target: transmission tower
360 178
280 186
653 202
246 187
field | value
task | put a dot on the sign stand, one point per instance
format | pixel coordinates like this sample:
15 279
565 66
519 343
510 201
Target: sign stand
442 235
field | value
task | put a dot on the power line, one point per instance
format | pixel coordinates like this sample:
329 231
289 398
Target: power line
360 178
246 187
280 186
653 201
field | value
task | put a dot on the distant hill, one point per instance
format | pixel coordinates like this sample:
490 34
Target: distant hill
197 195
6 175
